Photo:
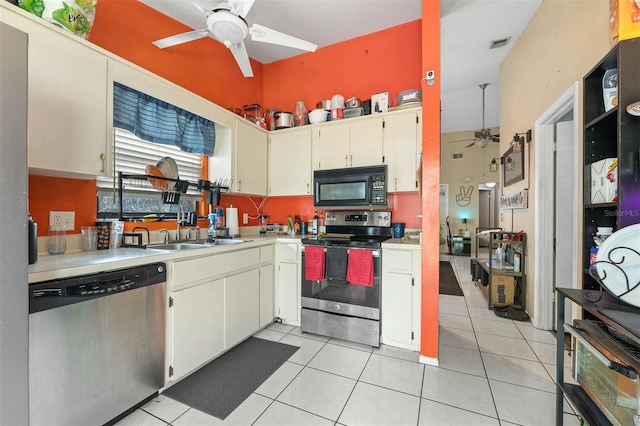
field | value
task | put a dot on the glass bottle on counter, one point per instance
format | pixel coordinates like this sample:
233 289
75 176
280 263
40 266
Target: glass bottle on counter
315 223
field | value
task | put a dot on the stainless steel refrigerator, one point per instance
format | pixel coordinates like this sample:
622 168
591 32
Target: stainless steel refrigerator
14 312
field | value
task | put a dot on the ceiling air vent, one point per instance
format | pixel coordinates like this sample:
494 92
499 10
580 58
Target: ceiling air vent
499 43
457 156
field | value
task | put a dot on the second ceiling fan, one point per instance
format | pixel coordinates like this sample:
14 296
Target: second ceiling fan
226 23
482 137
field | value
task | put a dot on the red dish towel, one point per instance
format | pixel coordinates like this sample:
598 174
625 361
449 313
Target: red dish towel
360 267
314 263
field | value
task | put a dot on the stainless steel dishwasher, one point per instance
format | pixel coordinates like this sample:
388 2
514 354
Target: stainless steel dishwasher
96 345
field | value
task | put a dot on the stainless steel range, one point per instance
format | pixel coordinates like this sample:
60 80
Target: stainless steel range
341 274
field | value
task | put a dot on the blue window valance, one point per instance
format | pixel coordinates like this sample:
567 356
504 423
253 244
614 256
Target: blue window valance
157 121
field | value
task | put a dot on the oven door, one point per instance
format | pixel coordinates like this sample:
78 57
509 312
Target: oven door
336 295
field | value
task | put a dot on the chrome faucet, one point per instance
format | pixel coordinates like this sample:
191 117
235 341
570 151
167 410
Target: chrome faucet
166 235
197 229
179 220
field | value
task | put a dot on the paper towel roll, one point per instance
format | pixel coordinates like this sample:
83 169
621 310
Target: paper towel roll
232 222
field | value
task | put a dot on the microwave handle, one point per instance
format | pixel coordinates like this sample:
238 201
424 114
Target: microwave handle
606 361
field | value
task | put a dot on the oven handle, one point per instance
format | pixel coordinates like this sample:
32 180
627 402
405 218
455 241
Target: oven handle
376 253
606 361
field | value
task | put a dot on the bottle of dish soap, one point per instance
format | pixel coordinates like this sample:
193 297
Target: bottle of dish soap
212 225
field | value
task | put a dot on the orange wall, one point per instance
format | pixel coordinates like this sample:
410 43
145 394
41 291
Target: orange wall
58 194
430 179
205 67
384 61
387 60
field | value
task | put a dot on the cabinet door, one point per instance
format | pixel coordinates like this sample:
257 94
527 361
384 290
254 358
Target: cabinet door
267 295
290 162
331 146
250 159
397 302
402 147
67 101
288 292
365 141
241 306
288 282
197 329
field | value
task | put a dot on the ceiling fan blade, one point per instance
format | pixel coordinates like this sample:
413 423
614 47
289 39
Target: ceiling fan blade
461 140
196 4
471 144
239 52
174 40
267 35
241 7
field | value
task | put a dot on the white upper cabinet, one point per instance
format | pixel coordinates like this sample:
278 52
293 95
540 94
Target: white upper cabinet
250 175
67 100
365 141
290 162
402 138
331 145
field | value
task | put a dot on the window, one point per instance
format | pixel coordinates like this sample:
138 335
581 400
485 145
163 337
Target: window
132 155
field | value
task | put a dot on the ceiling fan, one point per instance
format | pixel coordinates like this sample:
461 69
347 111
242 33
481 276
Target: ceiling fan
484 136
226 23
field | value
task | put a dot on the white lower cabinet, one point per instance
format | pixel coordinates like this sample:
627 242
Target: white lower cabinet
241 306
197 329
288 282
215 302
401 281
267 295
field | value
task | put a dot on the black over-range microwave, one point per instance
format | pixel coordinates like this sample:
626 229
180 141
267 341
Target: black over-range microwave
350 187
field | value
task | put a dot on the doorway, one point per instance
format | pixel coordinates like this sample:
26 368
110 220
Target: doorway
556 201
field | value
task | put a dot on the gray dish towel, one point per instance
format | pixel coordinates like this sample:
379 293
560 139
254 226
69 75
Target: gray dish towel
336 265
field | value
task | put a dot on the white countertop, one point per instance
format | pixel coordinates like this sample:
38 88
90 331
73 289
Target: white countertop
402 243
75 263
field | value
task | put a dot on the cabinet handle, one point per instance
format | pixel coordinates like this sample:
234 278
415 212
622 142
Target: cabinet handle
395 183
308 188
346 161
351 160
102 157
239 185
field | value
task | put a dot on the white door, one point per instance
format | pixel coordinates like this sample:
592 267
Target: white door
565 239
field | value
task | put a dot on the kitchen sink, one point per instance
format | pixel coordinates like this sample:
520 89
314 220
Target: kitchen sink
193 244
177 246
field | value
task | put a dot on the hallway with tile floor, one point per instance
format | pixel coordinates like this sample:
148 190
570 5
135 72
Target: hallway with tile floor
492 371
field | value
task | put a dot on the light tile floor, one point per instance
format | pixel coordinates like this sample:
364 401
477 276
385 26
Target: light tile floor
492 371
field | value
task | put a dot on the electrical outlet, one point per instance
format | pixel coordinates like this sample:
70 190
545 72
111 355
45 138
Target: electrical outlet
245 218
67 219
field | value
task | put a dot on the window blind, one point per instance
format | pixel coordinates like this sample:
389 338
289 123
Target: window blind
133 155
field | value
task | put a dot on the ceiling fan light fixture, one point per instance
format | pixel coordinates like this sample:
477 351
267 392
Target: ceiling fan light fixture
482 143
227 28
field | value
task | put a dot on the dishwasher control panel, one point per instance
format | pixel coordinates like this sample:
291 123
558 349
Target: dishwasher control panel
56 293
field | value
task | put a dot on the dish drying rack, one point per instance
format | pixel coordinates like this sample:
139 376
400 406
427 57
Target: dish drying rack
175 188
